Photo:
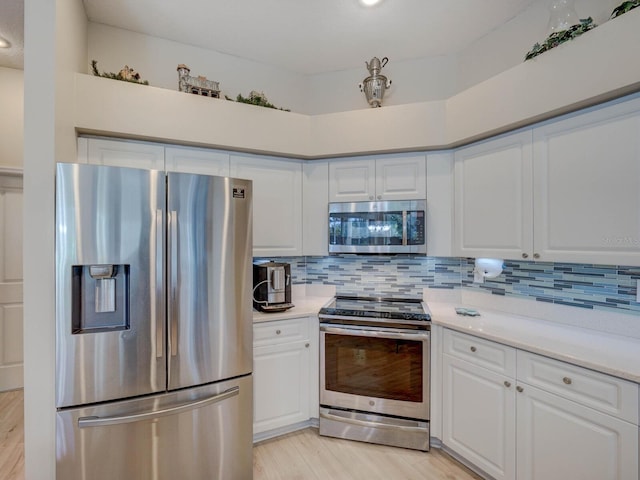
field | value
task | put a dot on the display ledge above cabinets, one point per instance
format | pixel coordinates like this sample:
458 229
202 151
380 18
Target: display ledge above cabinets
523 95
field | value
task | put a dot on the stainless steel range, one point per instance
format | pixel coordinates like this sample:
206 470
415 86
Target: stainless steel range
374 371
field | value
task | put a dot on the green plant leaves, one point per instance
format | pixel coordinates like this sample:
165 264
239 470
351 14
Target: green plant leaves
558 38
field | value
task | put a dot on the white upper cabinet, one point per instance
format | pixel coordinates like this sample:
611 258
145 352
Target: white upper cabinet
587 187
315 216
121 153
566 191
371 179
352 180
493 199
277 203
203 161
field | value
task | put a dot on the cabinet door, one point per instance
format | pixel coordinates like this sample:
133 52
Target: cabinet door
401 178
121 153
315 206
277 203
201 161
352 180
479 417
587 187
559 439
281 385
440 204
493 198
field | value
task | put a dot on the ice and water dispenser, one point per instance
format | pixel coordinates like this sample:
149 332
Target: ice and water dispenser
100 297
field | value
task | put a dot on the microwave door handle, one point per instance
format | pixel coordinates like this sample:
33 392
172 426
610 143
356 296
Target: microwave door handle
404 227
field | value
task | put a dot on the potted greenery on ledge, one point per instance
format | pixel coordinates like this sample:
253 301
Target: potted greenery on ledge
624 7
557 38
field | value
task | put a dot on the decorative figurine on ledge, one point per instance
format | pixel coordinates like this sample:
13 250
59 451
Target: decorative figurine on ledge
375 84
127 74
196 85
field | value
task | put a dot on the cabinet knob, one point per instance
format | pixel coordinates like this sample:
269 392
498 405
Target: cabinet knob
525 255
306 345
507 383
473 349
536 255
519 389
379 197
278 332
370 197
567 380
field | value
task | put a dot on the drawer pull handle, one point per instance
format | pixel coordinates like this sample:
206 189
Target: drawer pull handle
519 389
278 332
473 349
507 384
306 345
567 380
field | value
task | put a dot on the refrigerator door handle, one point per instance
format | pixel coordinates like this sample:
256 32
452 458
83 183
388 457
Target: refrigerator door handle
173 281
88 422
159 315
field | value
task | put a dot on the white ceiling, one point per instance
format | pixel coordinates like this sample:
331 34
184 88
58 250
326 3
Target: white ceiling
304 36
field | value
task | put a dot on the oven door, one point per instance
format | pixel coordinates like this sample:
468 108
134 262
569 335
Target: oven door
375 370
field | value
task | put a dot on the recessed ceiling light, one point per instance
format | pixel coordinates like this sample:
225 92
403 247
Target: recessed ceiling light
370 3
4 43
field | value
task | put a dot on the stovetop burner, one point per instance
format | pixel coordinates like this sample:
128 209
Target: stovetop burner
375 307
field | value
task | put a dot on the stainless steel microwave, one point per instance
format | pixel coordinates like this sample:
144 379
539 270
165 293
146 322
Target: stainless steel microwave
378 227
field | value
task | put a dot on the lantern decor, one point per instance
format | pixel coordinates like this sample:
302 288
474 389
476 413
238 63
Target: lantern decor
375 84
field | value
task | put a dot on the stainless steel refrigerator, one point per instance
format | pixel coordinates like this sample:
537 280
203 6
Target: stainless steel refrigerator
154 325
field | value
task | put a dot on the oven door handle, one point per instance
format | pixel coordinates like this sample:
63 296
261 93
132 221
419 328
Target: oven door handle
365 332
370 424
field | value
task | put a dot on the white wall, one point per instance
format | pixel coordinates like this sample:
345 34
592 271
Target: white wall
156 60
506 46
55 39
12 118
413 81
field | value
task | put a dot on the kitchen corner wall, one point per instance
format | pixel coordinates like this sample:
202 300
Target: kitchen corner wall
598 287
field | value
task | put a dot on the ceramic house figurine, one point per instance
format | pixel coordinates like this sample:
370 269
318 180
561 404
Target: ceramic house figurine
197 85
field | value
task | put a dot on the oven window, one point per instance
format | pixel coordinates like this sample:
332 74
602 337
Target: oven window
374 367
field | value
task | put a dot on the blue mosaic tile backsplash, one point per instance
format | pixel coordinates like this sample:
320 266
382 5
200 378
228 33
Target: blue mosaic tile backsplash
606 287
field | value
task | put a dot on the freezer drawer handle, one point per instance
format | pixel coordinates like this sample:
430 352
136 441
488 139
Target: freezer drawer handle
86 422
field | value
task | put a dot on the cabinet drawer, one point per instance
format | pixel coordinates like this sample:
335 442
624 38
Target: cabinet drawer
280 331
484 353
605 393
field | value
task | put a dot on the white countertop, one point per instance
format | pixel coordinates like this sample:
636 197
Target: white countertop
304 307
612 354
308 300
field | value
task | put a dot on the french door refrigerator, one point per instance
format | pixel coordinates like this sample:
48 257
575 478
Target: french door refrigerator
153 325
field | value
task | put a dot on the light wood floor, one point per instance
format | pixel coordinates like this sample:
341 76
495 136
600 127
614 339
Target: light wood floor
302 455
12 435
305 455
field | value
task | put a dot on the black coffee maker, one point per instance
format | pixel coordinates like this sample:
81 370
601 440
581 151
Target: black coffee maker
272 286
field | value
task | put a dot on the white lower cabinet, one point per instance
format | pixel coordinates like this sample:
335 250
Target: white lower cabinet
559 439
479 404
283 386
565 427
